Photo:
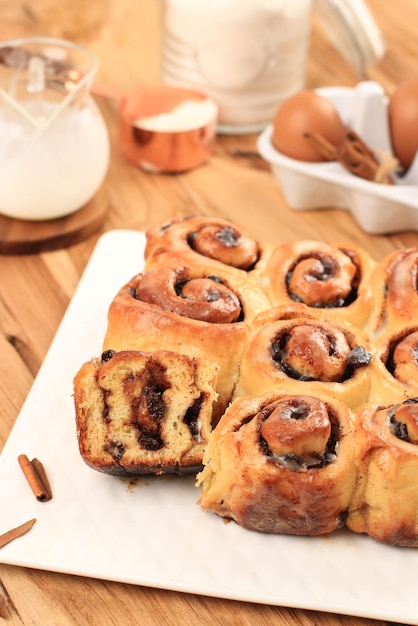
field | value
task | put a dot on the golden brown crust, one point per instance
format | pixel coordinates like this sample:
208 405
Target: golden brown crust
294 344
335 279
395 368
197 295
280 334
140 413
385 501
210 239
395 289
170 319
303 491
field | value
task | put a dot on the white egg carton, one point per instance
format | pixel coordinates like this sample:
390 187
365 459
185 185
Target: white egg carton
378 208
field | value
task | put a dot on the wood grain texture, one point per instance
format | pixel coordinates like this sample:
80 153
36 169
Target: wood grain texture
28 237
35 290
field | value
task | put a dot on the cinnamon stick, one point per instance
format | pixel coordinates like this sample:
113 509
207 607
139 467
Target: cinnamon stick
14 533
36 476
40 470
355 156
326 149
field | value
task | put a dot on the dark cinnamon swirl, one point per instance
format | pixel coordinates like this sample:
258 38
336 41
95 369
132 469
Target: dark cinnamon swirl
211 239
140 413
283 463
396 366
395 288
190 310
292 344
335 279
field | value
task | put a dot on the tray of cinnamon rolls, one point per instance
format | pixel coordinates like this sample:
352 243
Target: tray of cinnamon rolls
284 378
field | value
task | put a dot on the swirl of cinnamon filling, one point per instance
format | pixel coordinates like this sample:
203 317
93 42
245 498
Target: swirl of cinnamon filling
297 431
199 297
402 360
402 281
403 420
309 351
323 278
225 243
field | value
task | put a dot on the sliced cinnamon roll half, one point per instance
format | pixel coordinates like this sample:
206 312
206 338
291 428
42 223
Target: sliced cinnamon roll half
395 288
292 344
335 279
212 239
140 413
190 310
385 500
282 463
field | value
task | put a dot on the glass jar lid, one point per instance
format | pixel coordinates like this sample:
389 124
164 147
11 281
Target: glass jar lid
352 30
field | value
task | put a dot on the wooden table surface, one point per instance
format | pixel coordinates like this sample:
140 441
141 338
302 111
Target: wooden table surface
36 289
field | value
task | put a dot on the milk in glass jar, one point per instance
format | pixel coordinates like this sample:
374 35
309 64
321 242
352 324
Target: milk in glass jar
248 55
54 148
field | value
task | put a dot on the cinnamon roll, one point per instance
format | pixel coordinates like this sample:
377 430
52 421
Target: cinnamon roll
385 501
213 239
396 366
190 310
292 344
140 413
334 279
395 287
282 463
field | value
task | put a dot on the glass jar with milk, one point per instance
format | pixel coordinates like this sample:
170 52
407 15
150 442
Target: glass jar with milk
54 149
249 55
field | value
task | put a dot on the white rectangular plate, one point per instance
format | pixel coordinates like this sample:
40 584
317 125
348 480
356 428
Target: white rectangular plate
152 532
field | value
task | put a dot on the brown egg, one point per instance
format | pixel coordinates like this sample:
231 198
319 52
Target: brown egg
403 121
306 112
